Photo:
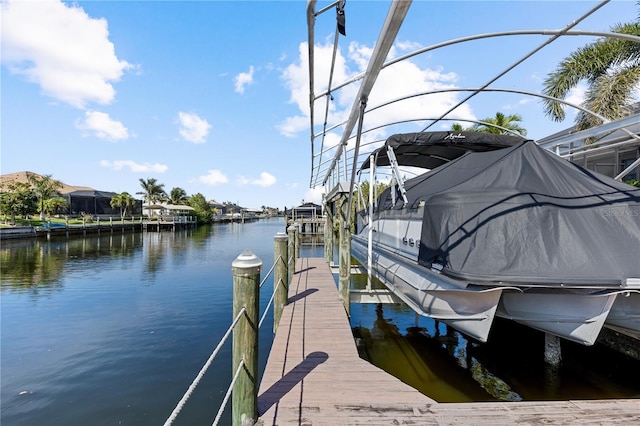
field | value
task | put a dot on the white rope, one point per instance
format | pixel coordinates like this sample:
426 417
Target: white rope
266 310
195 382
206 366
270 271
228 394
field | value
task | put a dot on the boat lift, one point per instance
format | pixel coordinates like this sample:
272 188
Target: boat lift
334 167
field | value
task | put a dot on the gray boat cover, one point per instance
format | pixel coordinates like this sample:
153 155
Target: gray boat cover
522 214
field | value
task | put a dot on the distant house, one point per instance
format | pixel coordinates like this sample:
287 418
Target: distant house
305 211
216 205
90 201
80 199
230 209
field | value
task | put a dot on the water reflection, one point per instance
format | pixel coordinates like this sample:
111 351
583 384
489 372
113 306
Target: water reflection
421 367
127 322
38 266
448 367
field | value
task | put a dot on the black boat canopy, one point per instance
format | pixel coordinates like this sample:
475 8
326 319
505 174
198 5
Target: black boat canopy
523 214
432 149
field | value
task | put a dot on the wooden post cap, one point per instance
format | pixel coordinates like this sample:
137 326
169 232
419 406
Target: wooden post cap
246 264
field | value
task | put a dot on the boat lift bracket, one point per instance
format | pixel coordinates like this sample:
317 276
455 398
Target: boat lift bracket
396 173
374 296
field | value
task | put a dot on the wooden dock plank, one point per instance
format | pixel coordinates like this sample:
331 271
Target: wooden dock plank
314 371
314 376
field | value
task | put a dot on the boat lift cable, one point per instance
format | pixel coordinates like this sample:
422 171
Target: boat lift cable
521 60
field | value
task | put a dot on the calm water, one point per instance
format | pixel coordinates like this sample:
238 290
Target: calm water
444 365
112 330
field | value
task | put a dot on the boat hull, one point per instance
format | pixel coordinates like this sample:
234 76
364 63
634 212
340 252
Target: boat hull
625 312
468 310
574 315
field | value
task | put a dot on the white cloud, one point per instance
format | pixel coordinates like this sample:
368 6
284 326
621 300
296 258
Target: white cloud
133 166
576 96
314 195
265 180
193 128
243 79
103 126
62 49
213 177
396 81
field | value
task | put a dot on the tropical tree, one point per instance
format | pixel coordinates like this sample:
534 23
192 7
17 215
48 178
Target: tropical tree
457 127
44 187
123 201
499 123
203 210
178 196
17 198
362 191
611 69
153 191
54 205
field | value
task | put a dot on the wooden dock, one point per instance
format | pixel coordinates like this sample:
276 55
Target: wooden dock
314 376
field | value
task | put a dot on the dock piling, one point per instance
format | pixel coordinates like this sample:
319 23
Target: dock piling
328 233
291 231
280 277
344 254
298 231
246 270
552 350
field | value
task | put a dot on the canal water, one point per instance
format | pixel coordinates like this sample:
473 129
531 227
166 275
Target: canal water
112 329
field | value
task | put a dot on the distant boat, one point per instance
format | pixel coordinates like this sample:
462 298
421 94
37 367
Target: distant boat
500 226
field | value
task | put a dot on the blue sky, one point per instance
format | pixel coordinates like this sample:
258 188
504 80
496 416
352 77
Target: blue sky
212 96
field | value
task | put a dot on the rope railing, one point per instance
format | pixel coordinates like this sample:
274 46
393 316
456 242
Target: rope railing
253 264
264 280
228 394
203 370
273 295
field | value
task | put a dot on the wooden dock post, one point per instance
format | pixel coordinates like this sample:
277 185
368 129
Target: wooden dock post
280 277
291 231
246 270
328 233
298 231
344 253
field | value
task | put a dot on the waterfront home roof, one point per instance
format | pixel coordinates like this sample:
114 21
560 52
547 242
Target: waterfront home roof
23 177
305 210
215 204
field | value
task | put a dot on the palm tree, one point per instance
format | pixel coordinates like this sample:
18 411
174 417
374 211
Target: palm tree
499 123
153 191
178 195
44 187
611 68
123 201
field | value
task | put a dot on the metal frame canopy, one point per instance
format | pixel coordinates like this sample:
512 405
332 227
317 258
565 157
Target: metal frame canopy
333 163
